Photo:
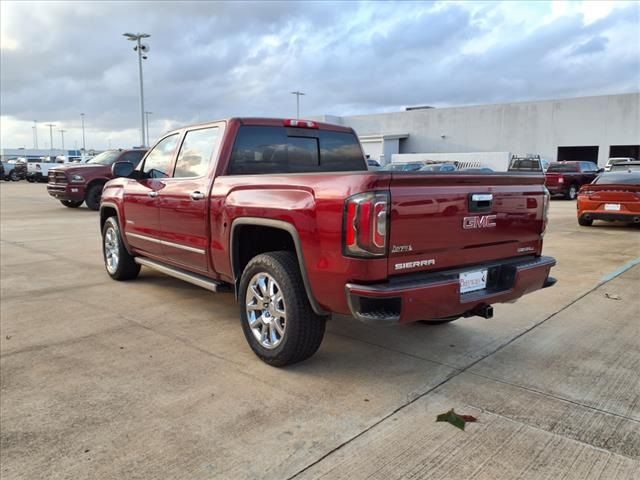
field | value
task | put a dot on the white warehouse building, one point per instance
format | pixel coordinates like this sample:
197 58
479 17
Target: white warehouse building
587 128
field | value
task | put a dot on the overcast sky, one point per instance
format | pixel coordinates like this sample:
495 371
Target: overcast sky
217 59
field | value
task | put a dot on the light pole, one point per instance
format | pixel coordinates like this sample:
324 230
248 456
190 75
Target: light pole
35 134
147 120
84 148
51 125
140 48
297 94
62 138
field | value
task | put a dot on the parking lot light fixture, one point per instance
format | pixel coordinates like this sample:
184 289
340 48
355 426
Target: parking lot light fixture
147 122
84 149
35 134
142 50
297 94
62 138
51 125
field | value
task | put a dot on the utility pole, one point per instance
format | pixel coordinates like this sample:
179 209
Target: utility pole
140 48
35 134
297 94
147 120
51 125
62 137
84 148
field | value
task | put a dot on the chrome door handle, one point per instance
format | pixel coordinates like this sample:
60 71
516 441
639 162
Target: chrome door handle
197 195
153 194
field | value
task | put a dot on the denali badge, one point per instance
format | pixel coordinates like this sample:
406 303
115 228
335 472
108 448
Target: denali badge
419 263
482 221
401 248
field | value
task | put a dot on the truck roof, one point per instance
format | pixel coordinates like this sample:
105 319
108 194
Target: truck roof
269 122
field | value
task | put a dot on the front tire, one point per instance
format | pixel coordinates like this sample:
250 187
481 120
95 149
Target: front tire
14 176
277 319
71 203
93 197
119 263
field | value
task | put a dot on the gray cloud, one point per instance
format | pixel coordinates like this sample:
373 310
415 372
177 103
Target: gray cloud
215 59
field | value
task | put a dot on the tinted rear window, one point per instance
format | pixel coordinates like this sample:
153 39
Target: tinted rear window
563 167
262 149
622 178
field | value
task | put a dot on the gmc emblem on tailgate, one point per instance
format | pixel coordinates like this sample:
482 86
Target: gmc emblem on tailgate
481 221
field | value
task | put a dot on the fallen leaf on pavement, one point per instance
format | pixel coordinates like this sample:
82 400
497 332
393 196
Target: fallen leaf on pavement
456 420
613 296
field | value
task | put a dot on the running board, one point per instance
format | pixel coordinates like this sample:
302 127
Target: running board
193 278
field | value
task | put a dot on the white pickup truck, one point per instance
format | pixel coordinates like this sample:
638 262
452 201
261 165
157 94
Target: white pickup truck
38 169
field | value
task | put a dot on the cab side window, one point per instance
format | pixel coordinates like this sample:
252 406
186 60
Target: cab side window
196 152
158 162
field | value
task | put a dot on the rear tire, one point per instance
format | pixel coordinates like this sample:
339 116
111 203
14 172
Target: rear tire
572 193
277 319
585 222
93 196
14 176
119 263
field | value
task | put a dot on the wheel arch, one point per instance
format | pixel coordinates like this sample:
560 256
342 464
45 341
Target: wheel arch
264 226
108 209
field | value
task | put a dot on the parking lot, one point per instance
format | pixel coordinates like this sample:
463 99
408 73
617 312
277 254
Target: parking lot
153 378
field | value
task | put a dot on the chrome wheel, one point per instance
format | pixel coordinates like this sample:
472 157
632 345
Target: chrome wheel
572 192
111 251
266 310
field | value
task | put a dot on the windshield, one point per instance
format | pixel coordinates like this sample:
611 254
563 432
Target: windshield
562 167
105 158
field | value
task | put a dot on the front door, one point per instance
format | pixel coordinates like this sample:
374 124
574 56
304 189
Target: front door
184 201
142 227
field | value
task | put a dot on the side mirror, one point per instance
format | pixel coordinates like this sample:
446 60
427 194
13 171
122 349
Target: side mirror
600 170
122 169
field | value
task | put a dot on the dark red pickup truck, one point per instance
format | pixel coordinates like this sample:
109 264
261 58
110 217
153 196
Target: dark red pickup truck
74 184
566 178
285 213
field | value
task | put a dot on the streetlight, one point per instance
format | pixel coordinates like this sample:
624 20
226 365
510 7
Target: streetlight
297 94
51 125
62 137
35 134
83 145
147 120
142 51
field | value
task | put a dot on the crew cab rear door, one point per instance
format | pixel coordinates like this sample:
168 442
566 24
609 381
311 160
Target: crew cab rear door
184 200
441 221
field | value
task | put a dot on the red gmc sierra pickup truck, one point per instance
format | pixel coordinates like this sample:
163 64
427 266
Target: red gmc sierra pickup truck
286 214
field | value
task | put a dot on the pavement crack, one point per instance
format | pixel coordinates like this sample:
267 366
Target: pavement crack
556 397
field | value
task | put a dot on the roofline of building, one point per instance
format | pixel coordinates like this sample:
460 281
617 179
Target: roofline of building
481 105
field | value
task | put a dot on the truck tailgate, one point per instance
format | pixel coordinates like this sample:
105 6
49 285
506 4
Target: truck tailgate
442 221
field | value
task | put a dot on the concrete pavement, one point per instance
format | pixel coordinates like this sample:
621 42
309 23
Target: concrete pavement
153 378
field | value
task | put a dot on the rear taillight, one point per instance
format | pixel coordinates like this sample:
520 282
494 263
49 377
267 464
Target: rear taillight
546 197
300 123
365 224
560 179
